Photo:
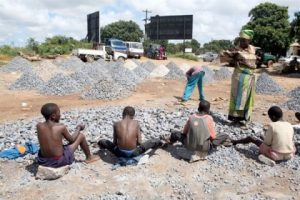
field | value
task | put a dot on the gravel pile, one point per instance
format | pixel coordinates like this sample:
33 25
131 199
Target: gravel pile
266 85
46 69
295 93
141 72
96 70
82 79
18 64
70 64
209 75
222 74
105 89
60 85
174 72
159 71
28 81
294 102
123 76
149 66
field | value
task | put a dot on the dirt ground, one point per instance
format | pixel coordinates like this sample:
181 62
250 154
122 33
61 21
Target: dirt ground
98 178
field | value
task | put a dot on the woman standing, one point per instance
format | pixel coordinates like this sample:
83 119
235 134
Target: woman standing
243 79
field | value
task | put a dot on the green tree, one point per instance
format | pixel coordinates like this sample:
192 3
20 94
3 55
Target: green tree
123 30
32 45
217 46
195 45
271 27
295 27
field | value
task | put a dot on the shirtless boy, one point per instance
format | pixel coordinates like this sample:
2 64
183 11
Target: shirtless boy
127 137
51 134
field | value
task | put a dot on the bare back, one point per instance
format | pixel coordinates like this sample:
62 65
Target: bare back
50 137
127 134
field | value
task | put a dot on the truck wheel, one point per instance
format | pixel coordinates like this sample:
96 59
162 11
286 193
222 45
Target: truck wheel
270 63
89 58
121 59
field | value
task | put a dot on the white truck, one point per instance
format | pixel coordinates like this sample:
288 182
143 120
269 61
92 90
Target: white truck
89 55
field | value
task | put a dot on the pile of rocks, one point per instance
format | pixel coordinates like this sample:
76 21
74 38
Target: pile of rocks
174 72
154 123
70 64
60 85
28 81
266 85
209 75
82 79
104 89
18 64
149 66
222 74
294 102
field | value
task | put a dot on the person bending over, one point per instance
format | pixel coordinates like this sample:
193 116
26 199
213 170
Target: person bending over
127 141
51 133
278 142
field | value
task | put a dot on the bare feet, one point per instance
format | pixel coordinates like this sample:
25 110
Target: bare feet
91 159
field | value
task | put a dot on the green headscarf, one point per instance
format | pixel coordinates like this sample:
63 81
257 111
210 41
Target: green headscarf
247 34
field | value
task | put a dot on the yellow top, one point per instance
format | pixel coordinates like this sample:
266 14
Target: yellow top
280 137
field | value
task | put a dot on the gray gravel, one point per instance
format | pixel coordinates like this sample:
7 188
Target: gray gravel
18 64
222 74
60 85
141 73
70 64
82 79
209 75
174 72
148 65
294 102
154 123
123 76
108 196
105 89
266 85
28 81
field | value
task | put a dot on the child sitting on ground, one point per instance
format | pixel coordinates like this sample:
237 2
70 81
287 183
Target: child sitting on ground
199 133
50 133
278 143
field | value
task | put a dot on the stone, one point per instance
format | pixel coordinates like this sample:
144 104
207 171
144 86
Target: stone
49 173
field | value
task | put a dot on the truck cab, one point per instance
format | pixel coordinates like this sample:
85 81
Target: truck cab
134 49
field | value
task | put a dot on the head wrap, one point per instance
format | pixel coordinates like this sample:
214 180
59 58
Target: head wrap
247 34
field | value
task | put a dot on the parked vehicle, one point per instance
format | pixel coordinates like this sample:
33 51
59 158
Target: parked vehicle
115 45
209 57
89 55
134 49
156 51
264 58
287 60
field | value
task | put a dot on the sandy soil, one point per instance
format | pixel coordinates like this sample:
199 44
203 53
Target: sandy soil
142 182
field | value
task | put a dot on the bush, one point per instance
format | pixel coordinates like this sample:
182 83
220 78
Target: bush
9 51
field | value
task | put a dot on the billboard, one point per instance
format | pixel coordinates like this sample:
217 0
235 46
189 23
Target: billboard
93 27
176 27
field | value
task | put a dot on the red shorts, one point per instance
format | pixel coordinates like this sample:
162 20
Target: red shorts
276 156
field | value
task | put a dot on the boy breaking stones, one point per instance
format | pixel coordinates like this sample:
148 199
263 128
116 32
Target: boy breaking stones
278 143
199 133
127 141
51 133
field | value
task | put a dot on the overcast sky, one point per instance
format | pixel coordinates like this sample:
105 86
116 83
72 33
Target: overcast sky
213 19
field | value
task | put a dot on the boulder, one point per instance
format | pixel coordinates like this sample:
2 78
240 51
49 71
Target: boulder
49 173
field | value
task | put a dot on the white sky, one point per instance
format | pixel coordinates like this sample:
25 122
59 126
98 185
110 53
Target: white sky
213 19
